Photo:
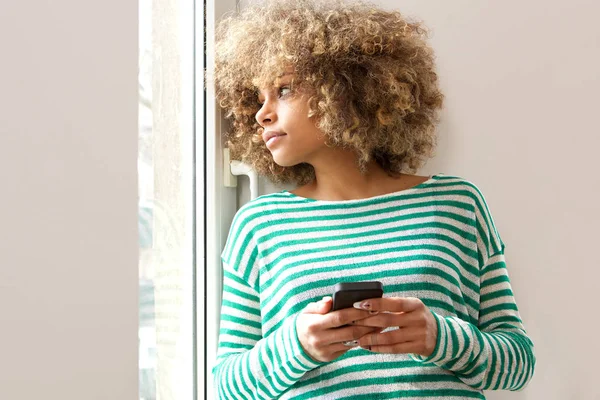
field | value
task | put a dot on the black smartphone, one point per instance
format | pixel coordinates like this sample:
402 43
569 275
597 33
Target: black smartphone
345 294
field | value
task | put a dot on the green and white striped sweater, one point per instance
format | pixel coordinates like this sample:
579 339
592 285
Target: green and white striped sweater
436 241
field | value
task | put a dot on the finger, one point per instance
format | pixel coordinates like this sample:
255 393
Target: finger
398 348
340 335
342 347
392 337
346 334
320 307
393 304
384 320
343 317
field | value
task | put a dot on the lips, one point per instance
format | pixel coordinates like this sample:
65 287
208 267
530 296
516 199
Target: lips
269 134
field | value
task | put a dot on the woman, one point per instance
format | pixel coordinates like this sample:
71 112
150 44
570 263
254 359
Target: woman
342 99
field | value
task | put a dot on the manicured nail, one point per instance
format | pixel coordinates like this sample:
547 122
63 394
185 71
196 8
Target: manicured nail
364 305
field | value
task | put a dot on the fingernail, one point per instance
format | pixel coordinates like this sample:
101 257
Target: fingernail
373 312
365 305
351 343
326 298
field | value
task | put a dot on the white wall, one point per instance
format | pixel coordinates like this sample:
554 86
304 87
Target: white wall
522 85
68 204
521 80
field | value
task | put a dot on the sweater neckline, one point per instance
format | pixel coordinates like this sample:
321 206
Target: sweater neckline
411 189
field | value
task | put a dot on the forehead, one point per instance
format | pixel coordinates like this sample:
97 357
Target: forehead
266 78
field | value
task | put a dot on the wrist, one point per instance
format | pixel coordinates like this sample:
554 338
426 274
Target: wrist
301 348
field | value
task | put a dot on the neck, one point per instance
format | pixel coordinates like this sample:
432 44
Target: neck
339 178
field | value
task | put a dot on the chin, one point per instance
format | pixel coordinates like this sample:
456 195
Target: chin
283 162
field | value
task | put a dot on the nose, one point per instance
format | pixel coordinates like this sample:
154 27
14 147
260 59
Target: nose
266 114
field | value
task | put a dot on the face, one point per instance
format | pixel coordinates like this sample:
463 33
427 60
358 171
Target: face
285 110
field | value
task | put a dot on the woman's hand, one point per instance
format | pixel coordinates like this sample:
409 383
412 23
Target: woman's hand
323 334
417 328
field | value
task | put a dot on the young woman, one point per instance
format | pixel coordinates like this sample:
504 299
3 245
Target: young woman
342 100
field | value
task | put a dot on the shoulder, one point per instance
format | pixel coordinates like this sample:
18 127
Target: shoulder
489 238
263 205
457 181
262 209
461 186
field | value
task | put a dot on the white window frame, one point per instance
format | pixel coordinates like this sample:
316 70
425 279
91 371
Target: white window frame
220 200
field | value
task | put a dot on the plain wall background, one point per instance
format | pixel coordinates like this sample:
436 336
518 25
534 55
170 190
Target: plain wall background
520 121
68 204
521 80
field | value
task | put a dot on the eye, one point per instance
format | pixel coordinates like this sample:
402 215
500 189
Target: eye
281 89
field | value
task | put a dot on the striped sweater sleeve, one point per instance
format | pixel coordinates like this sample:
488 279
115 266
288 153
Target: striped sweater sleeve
496 353
248 365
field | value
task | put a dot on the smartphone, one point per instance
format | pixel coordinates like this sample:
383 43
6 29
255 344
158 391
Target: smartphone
345 294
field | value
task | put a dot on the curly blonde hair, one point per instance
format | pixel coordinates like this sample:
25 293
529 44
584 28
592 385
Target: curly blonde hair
371 76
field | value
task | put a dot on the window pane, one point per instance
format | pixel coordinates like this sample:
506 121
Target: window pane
166 200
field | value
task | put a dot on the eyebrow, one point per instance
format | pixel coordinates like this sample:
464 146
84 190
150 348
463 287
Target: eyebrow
258 94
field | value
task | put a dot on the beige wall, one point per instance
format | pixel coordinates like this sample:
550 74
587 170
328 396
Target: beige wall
522 88
68 203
